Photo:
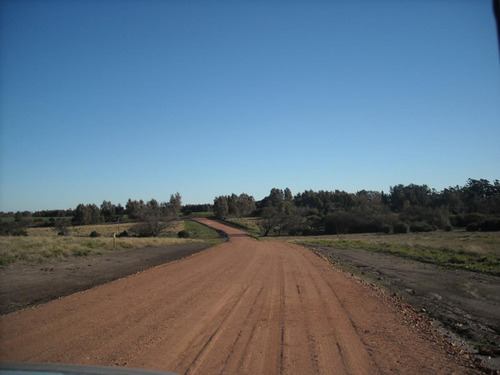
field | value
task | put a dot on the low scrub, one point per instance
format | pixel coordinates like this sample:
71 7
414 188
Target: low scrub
421 227
474 222
183 234
464 220
490 225
401 227
351 222
471 261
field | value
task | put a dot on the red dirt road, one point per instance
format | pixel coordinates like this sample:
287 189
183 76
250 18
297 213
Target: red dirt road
243 307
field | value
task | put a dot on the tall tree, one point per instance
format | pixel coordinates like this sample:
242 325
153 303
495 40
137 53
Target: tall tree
108 211
133 208
221 208
86 214
175 204
246 204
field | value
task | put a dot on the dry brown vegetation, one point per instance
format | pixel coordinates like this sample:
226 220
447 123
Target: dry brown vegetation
105 230
44 243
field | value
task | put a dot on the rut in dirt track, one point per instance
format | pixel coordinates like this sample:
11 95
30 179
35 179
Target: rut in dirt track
243 307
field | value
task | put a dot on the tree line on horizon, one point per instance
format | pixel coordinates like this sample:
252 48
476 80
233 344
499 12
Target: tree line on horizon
417 208
151 217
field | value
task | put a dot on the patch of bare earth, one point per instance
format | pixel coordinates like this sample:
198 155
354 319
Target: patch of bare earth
24 285
243 307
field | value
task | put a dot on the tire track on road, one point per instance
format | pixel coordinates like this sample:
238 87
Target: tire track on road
351 351
240 333
194 365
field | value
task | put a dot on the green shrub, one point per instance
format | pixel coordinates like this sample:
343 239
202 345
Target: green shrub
386 229
401 227
354 222
61 226
95 234
455 221
473 218
19 232
123 234
490 225
437 218
463 220
421 227
472 227
11 228
183 234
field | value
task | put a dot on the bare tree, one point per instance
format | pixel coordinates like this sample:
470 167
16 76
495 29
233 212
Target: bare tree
62 227
270 220
154 219
175 204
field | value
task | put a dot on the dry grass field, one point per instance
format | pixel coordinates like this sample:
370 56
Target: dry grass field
44 243
105 230
473 251
485 243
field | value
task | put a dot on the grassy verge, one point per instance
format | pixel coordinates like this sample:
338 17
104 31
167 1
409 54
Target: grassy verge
40 248
468 260
487 243
248 224
202 232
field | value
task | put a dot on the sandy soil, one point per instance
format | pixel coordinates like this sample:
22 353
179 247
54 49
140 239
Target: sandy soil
243 307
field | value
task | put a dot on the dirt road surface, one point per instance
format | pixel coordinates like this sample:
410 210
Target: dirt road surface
243 307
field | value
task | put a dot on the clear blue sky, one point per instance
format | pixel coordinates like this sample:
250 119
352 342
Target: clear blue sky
110 100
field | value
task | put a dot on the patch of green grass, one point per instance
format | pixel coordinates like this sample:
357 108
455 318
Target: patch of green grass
471 261
200 231
248 224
